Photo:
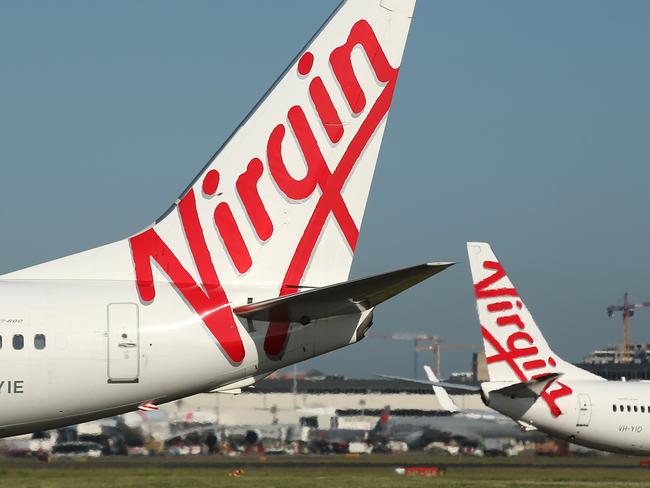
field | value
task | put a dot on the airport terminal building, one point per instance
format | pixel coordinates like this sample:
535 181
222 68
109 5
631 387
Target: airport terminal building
328 401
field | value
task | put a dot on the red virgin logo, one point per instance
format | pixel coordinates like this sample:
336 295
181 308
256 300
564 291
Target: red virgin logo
519 352
208 299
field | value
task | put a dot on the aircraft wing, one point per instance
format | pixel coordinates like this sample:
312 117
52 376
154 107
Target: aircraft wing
443 384
350 297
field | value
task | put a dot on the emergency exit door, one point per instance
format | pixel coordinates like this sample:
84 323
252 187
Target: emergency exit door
123 343
584 410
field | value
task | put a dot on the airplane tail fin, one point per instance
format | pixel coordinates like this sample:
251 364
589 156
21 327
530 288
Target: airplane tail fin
281 203
443 397
515 348
381 427
278 208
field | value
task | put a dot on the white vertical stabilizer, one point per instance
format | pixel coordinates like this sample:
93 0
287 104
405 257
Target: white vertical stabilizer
281 203
516 350
279 207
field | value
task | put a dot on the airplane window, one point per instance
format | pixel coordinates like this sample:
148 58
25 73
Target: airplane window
39 341
621 408
635 409
613 408
642 409
0 342
18 341
629 409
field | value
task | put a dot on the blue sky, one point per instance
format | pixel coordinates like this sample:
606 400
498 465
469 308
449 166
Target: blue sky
522 123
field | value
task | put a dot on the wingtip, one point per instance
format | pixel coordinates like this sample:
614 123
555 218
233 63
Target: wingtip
441 264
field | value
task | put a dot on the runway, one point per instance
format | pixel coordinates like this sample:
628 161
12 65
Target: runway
335 463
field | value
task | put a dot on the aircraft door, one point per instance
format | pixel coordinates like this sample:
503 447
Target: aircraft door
123 343
584 410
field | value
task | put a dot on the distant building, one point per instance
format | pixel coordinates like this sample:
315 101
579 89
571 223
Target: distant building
462 377
608 363
479 367
612 354
321 401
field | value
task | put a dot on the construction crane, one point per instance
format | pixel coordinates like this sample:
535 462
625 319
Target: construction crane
416 338
437 346
628 312
426 342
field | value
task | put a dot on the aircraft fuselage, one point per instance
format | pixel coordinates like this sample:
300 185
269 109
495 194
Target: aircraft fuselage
74 351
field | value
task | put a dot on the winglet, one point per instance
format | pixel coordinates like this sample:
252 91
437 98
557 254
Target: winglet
443 397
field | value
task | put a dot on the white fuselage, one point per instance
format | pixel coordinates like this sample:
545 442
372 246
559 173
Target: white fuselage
89 350
607 415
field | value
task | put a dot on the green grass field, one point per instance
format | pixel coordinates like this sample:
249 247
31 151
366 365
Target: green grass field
318 471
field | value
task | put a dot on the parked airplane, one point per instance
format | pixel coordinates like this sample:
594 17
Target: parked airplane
237 278
534 386
338 439
472 425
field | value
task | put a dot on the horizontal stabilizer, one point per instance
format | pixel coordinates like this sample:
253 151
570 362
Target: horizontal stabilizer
350 297
528 389
443 384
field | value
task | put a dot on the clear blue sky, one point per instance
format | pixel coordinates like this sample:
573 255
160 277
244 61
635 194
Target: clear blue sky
523 123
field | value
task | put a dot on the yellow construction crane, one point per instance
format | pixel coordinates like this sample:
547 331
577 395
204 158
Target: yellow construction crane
628 312
415 337
426 342
437 346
